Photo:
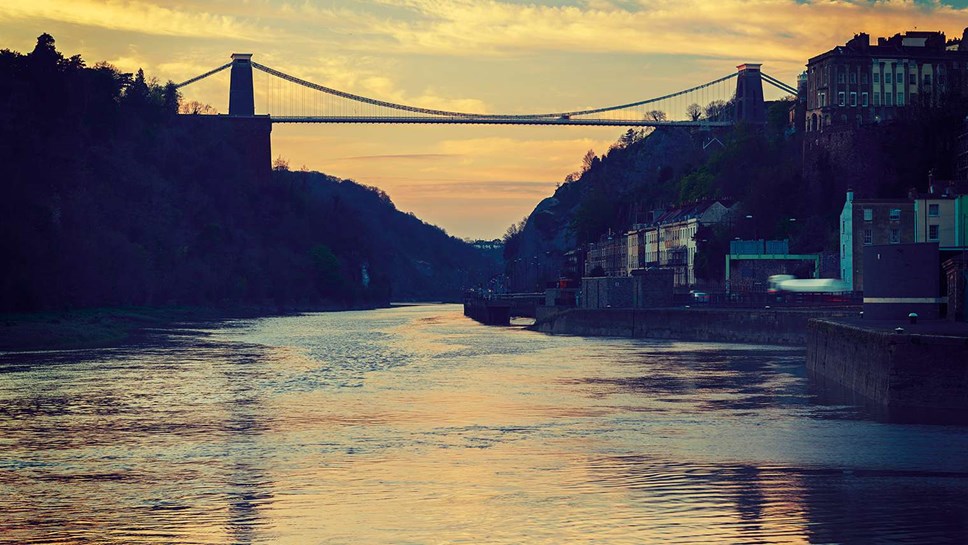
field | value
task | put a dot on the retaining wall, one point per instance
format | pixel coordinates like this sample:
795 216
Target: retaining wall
899 371
759 326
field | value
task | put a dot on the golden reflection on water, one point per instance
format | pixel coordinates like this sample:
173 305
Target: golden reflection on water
415 425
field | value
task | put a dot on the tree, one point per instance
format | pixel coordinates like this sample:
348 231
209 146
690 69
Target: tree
694 111
716 110
280 164
630 137
588 160
656 115
194 107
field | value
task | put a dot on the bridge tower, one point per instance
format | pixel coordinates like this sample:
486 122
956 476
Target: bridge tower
241 93
749 94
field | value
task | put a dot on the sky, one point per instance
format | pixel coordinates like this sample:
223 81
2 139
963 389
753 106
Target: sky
488 56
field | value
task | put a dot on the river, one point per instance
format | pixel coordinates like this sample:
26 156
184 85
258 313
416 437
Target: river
415 425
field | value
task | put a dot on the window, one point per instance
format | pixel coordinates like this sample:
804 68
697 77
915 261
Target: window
895 214
900 98
823 99
853 77
840 77
868 237
913 79
877 77
887 78
933 210
864 100
853 99
868 215
863 77
888 99
932 232
895 235
877 99
841 101
899 78
927 79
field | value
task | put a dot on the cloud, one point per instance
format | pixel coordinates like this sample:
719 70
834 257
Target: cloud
784 32
400 156
132 16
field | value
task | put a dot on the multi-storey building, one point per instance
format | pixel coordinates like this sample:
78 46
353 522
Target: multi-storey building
670 240
864 222
859 83
939 215
607 257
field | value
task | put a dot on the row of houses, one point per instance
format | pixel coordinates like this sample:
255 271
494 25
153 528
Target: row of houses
939 216
668 241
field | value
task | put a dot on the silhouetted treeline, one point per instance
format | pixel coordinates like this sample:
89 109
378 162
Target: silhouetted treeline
108 197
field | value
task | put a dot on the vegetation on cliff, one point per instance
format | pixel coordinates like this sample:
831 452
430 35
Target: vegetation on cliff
110 198
790 188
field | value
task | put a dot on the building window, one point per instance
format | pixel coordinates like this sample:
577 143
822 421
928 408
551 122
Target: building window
868 237
900 98
853 99
933 210
840 76
895 235
895 214
932 232
823 99
888 99
927 79
868 215
877 99
877 77
841 101
853 77
913 79
863 77
887 78
864 100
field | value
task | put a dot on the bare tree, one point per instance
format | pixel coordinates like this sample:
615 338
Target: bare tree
280 164
588 160
656 115
694 111
715 110
195 107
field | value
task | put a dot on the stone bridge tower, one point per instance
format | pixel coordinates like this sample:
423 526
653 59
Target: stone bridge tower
749 94
241 93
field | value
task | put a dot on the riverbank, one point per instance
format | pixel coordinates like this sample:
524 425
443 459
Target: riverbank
111 326
780 326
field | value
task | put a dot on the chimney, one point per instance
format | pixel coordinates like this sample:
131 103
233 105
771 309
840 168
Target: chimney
931 181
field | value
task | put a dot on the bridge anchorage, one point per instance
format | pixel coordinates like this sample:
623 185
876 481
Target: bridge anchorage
288 99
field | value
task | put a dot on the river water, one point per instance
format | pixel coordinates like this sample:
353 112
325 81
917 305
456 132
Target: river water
415 425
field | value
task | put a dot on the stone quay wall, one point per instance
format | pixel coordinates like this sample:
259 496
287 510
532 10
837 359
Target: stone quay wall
898 371
758 326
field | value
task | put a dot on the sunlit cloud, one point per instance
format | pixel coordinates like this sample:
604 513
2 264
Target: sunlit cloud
132 16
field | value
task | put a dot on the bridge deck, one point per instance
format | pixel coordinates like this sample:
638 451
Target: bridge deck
499 121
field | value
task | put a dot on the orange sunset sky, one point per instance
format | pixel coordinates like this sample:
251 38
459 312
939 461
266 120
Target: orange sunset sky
478 56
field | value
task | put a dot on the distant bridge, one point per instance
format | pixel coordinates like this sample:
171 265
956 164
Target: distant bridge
289 99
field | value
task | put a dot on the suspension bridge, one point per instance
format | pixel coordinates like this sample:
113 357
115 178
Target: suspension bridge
730 99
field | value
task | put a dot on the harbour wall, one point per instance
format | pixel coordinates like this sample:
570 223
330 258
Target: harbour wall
758 326
906 371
